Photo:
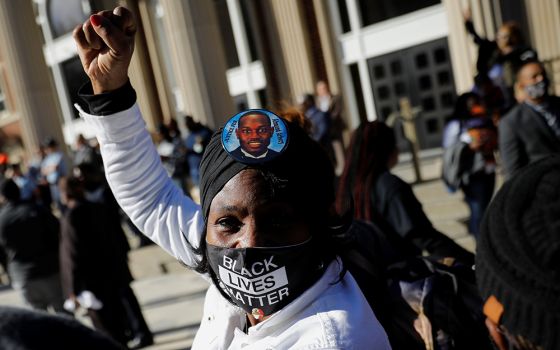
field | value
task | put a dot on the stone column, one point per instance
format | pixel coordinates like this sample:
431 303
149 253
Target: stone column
295 49
462 50
198 59
160 78
544 23
262 23
327 44
28 79
142 75
140 70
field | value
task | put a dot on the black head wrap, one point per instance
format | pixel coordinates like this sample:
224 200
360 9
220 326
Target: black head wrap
303 169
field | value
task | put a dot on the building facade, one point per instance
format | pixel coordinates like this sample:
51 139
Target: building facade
212 58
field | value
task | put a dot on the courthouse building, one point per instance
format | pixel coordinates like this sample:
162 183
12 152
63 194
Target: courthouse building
212 58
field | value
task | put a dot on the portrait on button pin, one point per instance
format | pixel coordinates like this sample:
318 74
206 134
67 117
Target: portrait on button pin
254 136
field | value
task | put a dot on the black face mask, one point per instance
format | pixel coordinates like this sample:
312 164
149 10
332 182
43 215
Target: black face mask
262 281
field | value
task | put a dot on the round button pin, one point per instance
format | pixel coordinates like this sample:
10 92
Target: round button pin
255 136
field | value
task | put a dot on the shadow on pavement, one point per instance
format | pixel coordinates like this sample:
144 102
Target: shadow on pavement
184 328
173 299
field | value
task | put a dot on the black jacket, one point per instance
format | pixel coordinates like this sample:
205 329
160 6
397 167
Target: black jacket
91 255
29 235
525 137
238 154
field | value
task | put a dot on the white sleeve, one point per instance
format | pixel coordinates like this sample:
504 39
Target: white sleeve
142 187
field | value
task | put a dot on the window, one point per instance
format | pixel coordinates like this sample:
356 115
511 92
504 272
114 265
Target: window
378 72
447 100
374 11
440 55
226 34
421 60
428 104
64 15
400 89
240 102
386 112
356 83
396 67
344 19
263 98
250 29
425 82
444 78
383 92
74 77
432 126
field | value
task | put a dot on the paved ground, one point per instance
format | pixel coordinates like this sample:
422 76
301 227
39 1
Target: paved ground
172 297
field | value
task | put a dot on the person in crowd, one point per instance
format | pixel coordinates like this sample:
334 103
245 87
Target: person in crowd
332 104
85 154
96 190
92 260
26 183
171 152
320 123
3 164
4 266
174 130
368 187
29 235
24 329
531 130
491 97
195 144
500 59
469 143
518 259
261 234
34 171
53 168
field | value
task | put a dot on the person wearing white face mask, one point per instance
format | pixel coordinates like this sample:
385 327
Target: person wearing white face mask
531 130
262 234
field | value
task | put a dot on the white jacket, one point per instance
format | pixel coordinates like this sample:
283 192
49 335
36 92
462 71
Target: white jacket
327 316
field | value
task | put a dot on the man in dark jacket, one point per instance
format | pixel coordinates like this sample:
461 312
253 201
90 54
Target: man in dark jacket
29 235
96 190
92 260
531 130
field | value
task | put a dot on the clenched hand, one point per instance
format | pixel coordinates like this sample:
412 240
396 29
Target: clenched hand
105 45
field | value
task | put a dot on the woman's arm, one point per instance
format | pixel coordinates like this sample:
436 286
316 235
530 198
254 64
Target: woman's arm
134 172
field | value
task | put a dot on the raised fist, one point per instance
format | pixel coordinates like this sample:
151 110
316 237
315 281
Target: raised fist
105 45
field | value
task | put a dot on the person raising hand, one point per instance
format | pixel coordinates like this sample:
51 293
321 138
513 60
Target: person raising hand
263 235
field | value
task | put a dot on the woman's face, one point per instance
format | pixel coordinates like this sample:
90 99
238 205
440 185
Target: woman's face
242 215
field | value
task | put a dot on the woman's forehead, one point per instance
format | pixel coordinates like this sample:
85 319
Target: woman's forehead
248 190
246 186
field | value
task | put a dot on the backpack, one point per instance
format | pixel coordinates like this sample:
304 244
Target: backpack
454 166
422 303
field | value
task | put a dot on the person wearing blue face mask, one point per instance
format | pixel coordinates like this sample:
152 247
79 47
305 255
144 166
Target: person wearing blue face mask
264 233
531 130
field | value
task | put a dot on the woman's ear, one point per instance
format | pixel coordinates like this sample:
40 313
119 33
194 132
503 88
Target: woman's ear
496 335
